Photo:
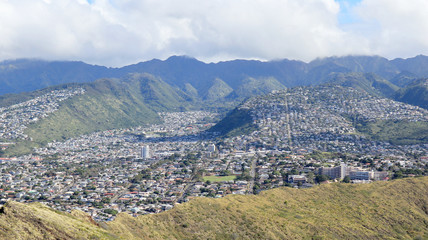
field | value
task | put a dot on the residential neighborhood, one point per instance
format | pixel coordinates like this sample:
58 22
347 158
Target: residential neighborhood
149 169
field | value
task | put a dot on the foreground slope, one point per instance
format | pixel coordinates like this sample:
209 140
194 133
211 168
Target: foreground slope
381 210
36 221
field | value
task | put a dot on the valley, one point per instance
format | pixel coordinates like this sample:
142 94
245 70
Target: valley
296 137
141 144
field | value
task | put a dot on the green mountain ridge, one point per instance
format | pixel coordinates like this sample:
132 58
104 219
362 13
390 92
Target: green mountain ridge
25 75
218 90
403 79
381 210
136 98
361 107
126 102
237 122
253 87
416 93
106 104
194 77
367 82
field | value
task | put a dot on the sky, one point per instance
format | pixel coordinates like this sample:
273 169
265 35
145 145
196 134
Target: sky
121 32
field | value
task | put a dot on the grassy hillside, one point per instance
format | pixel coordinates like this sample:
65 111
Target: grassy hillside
369 83
106 104
381 210
36 221
10 99
395 132
218 90
237 122
253 87
415 93
403 79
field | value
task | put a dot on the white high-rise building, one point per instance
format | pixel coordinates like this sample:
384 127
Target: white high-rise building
211 148
145 152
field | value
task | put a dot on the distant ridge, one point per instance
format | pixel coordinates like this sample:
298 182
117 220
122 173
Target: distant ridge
133 95
415 93
379 210
28 75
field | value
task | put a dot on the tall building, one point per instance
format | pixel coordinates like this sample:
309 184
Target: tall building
211 148
145 152
361 175
354 173
335 172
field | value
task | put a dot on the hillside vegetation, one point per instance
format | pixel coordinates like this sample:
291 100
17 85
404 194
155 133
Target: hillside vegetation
360 111
369 83
380 210
106 104
237 122
395 132
415 93
36 221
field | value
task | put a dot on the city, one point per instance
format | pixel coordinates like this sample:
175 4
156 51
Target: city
149 169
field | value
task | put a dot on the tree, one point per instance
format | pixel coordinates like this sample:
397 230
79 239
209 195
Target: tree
321 178
346 179
398 175
106 200
110 211
294 172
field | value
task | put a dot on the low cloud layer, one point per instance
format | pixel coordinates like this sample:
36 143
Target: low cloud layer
120 32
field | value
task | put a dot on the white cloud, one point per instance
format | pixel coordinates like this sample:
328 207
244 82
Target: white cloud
119 32
395 28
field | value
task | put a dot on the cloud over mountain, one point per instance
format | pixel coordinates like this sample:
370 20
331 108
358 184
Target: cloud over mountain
115 33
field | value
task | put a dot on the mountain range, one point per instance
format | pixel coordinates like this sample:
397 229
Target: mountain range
133 95
215 81
28 75
327 102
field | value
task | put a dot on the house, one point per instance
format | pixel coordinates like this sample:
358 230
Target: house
295 179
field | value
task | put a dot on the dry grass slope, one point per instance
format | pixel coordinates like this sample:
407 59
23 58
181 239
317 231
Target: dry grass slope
381 210
36 221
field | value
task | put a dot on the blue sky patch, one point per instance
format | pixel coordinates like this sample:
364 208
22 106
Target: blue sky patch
346 15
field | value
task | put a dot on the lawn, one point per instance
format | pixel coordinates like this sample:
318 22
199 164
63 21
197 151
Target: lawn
219 178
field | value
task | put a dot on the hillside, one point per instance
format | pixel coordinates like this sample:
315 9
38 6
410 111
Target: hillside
28 75
236 122
105 104
33 119
328 114
367 82
36 221
416 93
396 132
380 210
218 90
253 87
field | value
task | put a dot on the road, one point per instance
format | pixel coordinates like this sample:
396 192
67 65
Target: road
253 175
120 193
288 121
